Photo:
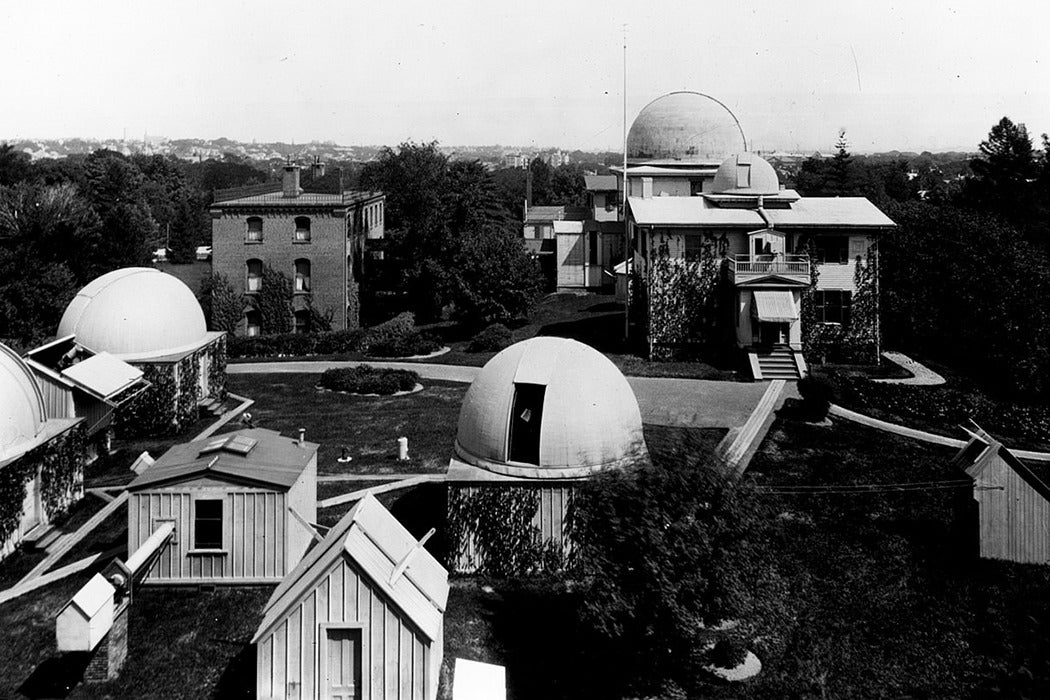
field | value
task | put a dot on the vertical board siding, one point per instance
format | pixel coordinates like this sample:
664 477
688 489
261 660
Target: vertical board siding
549 520
255 533
1014 517
397 661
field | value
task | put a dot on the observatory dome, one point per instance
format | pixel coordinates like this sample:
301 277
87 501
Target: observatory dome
685 126
746 174
549 408
22 412
135 313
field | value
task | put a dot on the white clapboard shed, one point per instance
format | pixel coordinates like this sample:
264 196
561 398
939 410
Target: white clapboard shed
240 503
86 618
1013 501
360 617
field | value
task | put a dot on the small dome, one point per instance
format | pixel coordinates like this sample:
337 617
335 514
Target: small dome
550 408
22 412
746 174
684 126
135 313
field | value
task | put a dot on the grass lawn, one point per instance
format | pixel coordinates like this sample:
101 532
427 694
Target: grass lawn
367 426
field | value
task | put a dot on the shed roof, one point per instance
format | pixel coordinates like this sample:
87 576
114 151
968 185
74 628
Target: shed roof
253 456
977 454
600 183
810 212
389 556
103 374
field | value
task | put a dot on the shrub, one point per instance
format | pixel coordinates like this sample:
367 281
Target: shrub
338 342
327 343
369 380
727 653
493 339
415 343
388 331
816 396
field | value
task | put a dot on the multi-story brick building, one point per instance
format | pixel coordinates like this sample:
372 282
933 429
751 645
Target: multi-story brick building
317 240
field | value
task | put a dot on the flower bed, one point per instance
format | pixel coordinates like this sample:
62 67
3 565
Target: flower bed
369 380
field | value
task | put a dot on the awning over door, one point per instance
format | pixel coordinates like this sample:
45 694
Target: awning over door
775 306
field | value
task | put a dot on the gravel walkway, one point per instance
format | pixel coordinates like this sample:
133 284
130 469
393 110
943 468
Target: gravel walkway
921 374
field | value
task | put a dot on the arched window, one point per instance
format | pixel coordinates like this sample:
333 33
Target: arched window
253 323
302 228
254 280
302 275
255 229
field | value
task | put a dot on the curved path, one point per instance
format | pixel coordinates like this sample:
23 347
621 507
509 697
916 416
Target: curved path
921 375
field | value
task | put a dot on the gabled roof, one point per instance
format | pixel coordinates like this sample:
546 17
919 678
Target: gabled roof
387 554
253 456
977 454
90 599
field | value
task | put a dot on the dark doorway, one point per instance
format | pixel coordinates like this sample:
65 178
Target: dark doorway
525 419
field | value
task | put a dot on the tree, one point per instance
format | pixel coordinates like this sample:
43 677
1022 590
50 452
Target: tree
14 165
1004 178
273 302
663 551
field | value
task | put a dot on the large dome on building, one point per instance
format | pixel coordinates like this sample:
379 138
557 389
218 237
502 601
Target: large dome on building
685 126
746 174
22 412
549 408
135 313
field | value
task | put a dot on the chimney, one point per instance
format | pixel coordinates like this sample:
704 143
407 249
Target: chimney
291 187
302 437
647 188
317 169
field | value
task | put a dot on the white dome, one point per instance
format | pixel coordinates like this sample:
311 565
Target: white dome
22 412
746 174
589 418
684 126
135 313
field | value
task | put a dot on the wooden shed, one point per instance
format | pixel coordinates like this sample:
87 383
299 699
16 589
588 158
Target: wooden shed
1013 501
87 617
360 617
240 503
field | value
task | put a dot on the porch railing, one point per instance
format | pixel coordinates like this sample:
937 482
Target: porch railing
769 265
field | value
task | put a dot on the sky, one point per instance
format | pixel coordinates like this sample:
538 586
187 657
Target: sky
913 75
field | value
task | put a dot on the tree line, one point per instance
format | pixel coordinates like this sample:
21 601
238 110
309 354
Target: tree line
965 274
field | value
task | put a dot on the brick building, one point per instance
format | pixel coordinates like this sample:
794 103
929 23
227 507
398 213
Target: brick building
317 240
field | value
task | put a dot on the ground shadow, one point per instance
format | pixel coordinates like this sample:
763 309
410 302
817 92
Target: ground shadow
421 508
238 678
57 676
603 333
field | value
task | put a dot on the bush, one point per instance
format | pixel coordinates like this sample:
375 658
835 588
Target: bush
369 380
396 328
415 343
727 653
816 396
493 339
338 342
327 343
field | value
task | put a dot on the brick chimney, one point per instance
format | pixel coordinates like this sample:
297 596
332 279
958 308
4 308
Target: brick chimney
291 181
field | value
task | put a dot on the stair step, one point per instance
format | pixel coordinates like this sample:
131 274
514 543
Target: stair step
41 537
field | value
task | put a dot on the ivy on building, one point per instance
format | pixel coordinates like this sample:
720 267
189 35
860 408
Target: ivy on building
492 528
858 341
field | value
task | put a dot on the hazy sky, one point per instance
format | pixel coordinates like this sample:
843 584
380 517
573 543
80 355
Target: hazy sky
913 75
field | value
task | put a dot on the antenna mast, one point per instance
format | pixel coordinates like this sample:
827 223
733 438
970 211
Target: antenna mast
623 204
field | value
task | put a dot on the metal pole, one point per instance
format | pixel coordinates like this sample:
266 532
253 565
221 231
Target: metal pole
623 205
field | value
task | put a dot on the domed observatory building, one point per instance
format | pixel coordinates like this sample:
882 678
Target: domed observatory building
41 458
541 415
152 321
739 259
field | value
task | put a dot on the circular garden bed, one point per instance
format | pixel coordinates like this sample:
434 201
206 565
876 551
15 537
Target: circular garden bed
366 380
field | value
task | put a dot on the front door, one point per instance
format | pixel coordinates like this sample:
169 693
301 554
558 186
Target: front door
31 506
341 664
773 333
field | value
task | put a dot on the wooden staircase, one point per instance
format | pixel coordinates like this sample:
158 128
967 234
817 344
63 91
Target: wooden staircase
212 406
778 362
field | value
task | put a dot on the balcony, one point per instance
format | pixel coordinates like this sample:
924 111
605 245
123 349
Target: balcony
749 268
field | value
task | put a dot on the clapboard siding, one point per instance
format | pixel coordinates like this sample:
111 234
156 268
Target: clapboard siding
397 658
254 522
1014 516
549 520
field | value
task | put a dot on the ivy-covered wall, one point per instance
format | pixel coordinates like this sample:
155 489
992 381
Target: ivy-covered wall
498 530
60 464
217 369
856 343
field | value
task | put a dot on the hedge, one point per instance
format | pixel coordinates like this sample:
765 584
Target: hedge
330 342
389 331
369 380
415 343
493 339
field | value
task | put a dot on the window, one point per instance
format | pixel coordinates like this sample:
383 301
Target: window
832 306
831 249
254 231
254 281
302 275
302 321
302 229
694 247
207 523
526 417
592 248
253 323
